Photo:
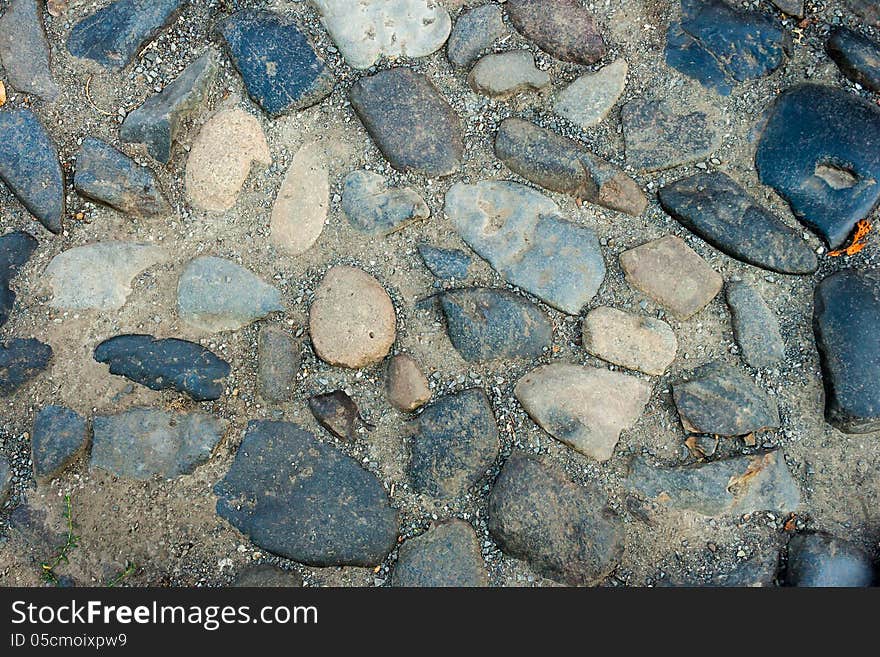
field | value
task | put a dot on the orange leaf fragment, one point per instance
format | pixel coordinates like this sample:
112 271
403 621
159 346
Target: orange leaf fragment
858 242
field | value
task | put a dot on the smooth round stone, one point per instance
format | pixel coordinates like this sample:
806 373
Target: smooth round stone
504 74
303 199
821 560
352 321
636 342
407 386
474 31
563 28
448 554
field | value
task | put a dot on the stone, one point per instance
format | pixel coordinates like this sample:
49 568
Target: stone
729 487
717 209
504 74
109 176
755 327
303 200
564 531
561 28
475 31
659 136
525 238
867 9
394 28
673 274
215 294
721 401
454 443
817 152
114 34
278 360
281 70
373 207
168 363
265 575
412 124
857 57
719 45
585 408
59 436
406 384
821 560
142 442
635 342
351 321
758 571
221 159
338 414
16 248
157 122
488 324
587 101
21 359
24 50
445 263
5 481
563 165
448 554
98 276
846 314
29 166
791 7
304 500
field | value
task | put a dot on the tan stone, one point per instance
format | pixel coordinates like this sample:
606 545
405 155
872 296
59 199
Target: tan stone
407 385
636 342
300 208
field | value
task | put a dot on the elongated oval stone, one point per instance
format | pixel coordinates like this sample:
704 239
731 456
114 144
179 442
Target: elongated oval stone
24 50
857 57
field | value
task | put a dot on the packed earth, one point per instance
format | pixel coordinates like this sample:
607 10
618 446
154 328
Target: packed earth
439 292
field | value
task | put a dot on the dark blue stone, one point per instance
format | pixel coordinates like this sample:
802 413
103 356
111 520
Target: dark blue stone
170 363
113 35
20 361
821 151
857 57
15 250
821 560
445 263
59 434
280 68
29 166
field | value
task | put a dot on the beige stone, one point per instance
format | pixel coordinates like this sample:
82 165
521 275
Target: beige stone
407 386
588 99
636 342
300 208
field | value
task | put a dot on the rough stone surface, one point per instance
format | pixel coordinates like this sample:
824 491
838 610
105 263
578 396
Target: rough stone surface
486 324
636 342
758 571
24 50
715 207
278 360
21 359
406 384
754 325
98 276
161 364
475 31
157 121
337 413
16 248
215 294
564 531
504 74
673 274
375 208
563 165
867 9
584 407
29 166
534 248
59 435
587 101
300 209
818 150
266 575
445 263
857 57
846 314
791 7
5 480
822 560
351 321
109 176
729 487
455 442
142 442
221 159
562 28
448 554
305 500
411 122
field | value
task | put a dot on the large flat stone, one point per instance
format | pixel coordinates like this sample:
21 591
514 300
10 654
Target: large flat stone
16 248
24 50
754 325
633 341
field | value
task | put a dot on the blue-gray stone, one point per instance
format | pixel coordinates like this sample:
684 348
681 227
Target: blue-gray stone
16 249
754 325
373 207
475 31
305 500
448 554
281 70
821 560
485 324
857 56
161 364
820 150
5 480
29 166
58 437
109 176
445 263
21 359
720 46
24 50
113 35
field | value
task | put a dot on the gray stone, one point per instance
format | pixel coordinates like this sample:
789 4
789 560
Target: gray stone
266 575
822 560
564 531
59 435
21 359
24 50
407 386
338 414
504 74
372 207
562 28
867 9
534 247
142 442
475 31
445 263
305 500
5 481
636 342
278 360
448 554
758 571
857 57
215 294
455 442
754 325
791 7
587 101
16 248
